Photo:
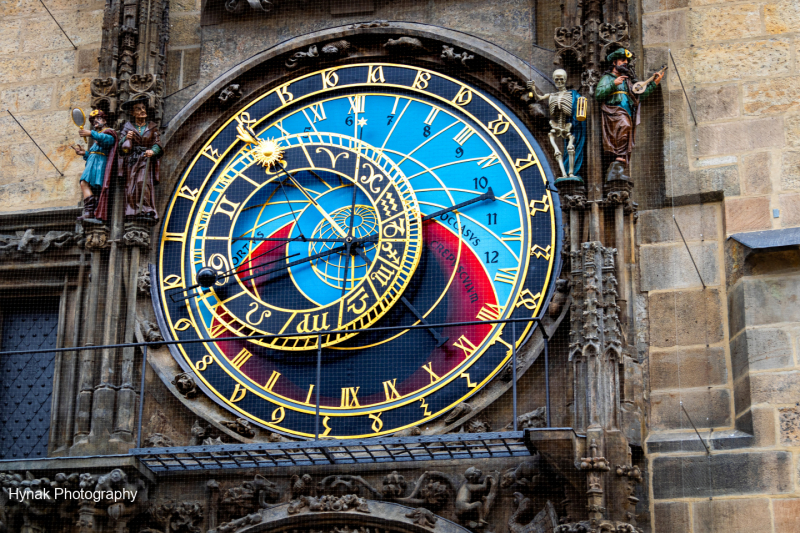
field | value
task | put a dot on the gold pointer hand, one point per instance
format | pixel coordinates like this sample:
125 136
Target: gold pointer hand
327 217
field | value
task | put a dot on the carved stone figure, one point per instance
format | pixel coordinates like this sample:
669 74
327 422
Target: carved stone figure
620 105
458 411
239 523
300 57
96 177
533 420
158 440
405 45
26 242
449 56
475 498
251 496
394 485
422 517
348 502
240 426
185 384
139 154
521 521
337 49
525 476
346 485
566 132
229 94
302 486
433 489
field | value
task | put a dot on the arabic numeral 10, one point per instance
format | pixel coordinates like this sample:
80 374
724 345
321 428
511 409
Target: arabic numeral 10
480 183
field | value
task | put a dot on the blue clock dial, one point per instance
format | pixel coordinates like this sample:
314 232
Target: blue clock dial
328 207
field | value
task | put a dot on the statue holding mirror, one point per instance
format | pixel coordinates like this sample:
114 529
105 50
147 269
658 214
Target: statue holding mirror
99 157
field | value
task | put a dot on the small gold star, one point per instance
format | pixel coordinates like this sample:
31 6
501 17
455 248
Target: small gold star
362 122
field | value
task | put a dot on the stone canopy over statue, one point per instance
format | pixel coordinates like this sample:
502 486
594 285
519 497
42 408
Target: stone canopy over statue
619 99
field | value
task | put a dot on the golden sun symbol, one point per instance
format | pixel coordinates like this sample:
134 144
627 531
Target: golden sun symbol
266 152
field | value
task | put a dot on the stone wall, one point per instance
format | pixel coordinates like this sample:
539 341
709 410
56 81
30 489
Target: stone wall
727 352
738 65
41 77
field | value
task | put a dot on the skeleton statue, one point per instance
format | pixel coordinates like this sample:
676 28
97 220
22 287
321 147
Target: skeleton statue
564 125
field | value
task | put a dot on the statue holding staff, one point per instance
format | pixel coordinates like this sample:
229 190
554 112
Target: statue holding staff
99 158
139 152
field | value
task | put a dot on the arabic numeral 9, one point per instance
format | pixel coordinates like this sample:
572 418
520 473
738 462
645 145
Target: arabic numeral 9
459 152
348 120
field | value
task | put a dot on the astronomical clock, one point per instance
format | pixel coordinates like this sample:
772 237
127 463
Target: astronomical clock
350 242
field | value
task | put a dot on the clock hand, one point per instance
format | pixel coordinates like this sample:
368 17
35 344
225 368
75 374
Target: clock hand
284 239
338 249
349 237
324 213
436 335
488 195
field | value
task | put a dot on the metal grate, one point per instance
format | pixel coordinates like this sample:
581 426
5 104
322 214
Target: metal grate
339 452
26 381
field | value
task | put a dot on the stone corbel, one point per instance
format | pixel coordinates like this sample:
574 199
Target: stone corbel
238 7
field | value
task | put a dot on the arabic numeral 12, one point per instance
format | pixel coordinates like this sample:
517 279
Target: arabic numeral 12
491 257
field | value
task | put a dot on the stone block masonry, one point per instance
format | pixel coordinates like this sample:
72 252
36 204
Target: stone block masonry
41 78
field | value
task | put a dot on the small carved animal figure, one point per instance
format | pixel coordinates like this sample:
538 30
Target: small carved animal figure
405 45
544 522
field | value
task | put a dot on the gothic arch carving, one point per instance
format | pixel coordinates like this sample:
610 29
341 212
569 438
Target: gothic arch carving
376 515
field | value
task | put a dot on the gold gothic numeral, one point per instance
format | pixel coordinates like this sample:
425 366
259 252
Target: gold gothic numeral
319 112
488 161
273 379
326 426
424 406
510 196
389 388
512 235
241 358
183 324
490 312
545 206
506 275
539 252
466 345
238 393
310 391
172 281
278 415
357 104
284 94
528 299
358 301
329 79
421 81
350 397
226 207
471 384
463 97
189 194
375 75
203 363
501 341
279 125
179 237
499 126
429 369
377 425
464 135
431 116
522 164
211 153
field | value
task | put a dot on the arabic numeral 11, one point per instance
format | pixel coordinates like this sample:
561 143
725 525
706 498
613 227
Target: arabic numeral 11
492 219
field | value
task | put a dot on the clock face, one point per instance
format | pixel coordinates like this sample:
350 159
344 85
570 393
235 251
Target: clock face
351 199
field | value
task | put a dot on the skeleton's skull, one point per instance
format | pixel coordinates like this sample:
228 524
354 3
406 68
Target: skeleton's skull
560 79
